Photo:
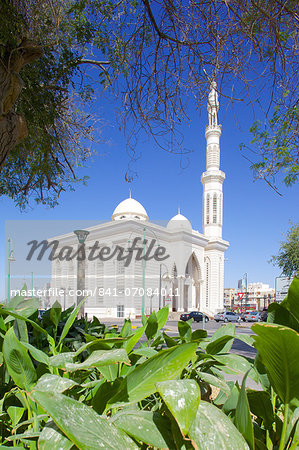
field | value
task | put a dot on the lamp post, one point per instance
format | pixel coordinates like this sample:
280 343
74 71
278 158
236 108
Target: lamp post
10 259
81 235
160 282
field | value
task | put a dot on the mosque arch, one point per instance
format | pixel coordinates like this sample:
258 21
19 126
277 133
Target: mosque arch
194 272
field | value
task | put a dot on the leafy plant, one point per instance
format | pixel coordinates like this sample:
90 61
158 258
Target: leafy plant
70 383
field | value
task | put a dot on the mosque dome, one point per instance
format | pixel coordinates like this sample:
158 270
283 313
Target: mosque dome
179 223
129 209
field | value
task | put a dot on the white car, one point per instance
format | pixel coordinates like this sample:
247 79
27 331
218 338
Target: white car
227 316
252 316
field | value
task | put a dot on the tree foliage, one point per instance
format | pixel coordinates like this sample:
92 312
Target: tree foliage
156 58
276 143
287 258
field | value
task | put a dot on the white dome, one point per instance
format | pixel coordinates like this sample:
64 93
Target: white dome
179 223
129 209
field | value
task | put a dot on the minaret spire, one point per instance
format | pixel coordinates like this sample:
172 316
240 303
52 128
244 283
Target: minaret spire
213 178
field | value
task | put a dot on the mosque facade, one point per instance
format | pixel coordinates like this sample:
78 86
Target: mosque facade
133 265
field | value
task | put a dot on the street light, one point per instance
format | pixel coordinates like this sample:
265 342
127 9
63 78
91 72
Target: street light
10 259
160 281
81 235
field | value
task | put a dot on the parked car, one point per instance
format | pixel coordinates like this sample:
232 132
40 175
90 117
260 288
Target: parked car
253 316
227 316
264 315
197 316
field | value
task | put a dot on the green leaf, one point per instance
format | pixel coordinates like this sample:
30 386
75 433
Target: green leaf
100 344
293 428
15 413
126 328
51 438
55 313
37 354
214 381
102 394
280 315
24 306
109 372
185 330
170 342
222 338
101 358
144 319
212 429
291 302
243 418
198 335
182 398
61 359
132 341
145 426
261 406
18 362
53 383
221 345
162 316
231 403
83 426
145 351
34 324
70 322
24 436
245 338
21 331
151 326
141 381
278 348
233 363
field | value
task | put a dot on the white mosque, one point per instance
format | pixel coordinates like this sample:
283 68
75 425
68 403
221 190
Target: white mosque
182 267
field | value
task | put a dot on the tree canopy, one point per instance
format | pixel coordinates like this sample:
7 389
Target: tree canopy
156 58
287 258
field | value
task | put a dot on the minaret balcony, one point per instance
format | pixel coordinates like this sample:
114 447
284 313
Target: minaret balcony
215 129
212 176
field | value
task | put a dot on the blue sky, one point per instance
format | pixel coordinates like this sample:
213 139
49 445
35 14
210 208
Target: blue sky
255 217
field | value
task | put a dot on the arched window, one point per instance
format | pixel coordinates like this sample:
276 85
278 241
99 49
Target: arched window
214 208
208 209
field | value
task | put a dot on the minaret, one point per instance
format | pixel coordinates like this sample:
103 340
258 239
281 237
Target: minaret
213 178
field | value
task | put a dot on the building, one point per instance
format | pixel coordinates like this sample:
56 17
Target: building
169 264
257 297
